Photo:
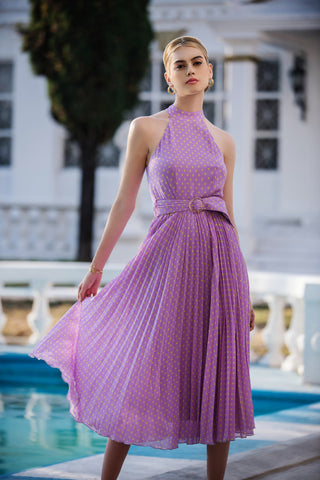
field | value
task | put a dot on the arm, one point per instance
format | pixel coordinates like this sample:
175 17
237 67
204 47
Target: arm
229 159
124 204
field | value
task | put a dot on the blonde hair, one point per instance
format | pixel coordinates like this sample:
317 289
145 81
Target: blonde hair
185 41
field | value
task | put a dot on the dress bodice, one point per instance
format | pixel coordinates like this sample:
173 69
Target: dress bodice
187 162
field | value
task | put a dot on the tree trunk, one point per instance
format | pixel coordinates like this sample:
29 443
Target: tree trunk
85 232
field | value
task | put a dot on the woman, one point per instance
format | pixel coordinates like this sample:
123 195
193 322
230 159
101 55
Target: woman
160 355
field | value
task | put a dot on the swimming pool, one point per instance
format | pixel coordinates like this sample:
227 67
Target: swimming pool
36 428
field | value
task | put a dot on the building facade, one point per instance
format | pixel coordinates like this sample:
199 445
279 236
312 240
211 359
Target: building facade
266 67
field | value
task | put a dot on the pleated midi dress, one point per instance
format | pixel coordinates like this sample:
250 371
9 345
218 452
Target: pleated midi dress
160 356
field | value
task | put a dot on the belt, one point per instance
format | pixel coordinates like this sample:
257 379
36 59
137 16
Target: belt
194 205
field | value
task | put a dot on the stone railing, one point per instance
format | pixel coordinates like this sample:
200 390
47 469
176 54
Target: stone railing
302 338
302 292
44 232
43 279
38 232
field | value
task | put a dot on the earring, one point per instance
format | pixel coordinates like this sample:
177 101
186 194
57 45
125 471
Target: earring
171 90
211 82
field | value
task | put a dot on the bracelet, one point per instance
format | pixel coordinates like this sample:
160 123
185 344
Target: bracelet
94 269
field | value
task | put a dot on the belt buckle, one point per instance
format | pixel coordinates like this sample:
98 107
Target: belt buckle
196 210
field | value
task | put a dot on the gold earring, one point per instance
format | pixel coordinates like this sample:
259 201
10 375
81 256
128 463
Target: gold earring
171 90
211 82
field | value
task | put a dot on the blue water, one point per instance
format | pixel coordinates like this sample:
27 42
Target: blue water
36 428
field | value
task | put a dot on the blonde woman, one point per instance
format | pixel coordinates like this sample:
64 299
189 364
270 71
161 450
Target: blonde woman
160 355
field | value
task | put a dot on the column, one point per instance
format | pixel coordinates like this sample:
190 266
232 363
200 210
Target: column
240 87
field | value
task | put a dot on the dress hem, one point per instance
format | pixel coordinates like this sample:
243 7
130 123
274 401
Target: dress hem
69 381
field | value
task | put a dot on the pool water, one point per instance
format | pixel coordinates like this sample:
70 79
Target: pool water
36 428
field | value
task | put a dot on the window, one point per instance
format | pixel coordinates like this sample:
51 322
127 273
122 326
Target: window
267 109
108 154
6 89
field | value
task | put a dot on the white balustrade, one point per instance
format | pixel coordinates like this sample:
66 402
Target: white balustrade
41 277
30 231
277 289
51 232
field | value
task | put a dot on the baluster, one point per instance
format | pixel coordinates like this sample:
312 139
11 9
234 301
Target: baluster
39 319
273 333
294 339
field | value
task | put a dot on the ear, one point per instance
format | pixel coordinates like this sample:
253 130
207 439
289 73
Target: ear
211 68
167 77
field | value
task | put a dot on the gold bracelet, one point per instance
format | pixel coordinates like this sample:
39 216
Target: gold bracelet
94 269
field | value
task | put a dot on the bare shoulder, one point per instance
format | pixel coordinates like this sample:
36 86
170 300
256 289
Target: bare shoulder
148 122
151 129
224 140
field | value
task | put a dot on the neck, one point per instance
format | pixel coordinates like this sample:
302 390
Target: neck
189 103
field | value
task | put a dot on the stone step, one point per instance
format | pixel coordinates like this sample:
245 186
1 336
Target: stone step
278 264
289 249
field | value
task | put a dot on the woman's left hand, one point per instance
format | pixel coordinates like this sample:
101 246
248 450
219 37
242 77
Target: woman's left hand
251 317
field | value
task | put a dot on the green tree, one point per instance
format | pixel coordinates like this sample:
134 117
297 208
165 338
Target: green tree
94 55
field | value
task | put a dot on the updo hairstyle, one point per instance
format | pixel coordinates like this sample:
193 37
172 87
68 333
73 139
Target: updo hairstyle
185 41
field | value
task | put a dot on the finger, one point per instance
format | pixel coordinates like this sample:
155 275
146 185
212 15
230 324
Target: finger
80 294
79 290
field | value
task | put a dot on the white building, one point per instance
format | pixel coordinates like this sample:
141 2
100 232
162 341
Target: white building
253 48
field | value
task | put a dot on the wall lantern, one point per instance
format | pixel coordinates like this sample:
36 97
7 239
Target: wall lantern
297 78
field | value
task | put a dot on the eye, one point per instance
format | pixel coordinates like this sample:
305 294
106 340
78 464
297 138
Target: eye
178 66
198 63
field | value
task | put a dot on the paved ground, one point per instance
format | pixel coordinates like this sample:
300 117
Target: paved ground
292 460
286 445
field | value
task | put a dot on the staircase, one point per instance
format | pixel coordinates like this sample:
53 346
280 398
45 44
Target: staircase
286 246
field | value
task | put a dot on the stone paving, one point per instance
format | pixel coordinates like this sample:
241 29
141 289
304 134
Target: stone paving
282 461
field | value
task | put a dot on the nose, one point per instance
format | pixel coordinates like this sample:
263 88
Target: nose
189 69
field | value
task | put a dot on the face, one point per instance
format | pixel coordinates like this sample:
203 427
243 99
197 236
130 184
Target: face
186 63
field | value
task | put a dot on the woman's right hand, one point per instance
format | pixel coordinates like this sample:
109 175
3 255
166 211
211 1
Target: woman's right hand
89 285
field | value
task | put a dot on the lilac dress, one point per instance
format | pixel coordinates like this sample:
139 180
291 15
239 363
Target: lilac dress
160 356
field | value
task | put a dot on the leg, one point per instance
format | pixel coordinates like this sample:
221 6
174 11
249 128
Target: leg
217 456
114 457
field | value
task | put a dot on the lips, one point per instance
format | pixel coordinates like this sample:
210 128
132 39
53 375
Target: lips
192 80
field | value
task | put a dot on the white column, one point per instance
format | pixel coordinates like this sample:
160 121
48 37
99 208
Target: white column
240 86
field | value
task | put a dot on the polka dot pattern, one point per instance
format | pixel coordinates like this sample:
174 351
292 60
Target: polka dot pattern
160 356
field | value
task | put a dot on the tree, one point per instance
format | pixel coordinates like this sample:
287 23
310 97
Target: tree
94 55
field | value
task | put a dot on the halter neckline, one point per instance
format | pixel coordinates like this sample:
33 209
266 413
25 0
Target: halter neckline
197 113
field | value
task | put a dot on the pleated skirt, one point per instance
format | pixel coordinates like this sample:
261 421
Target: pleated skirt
160 356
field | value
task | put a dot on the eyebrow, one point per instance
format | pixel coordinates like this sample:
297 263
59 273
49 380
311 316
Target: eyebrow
178 61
